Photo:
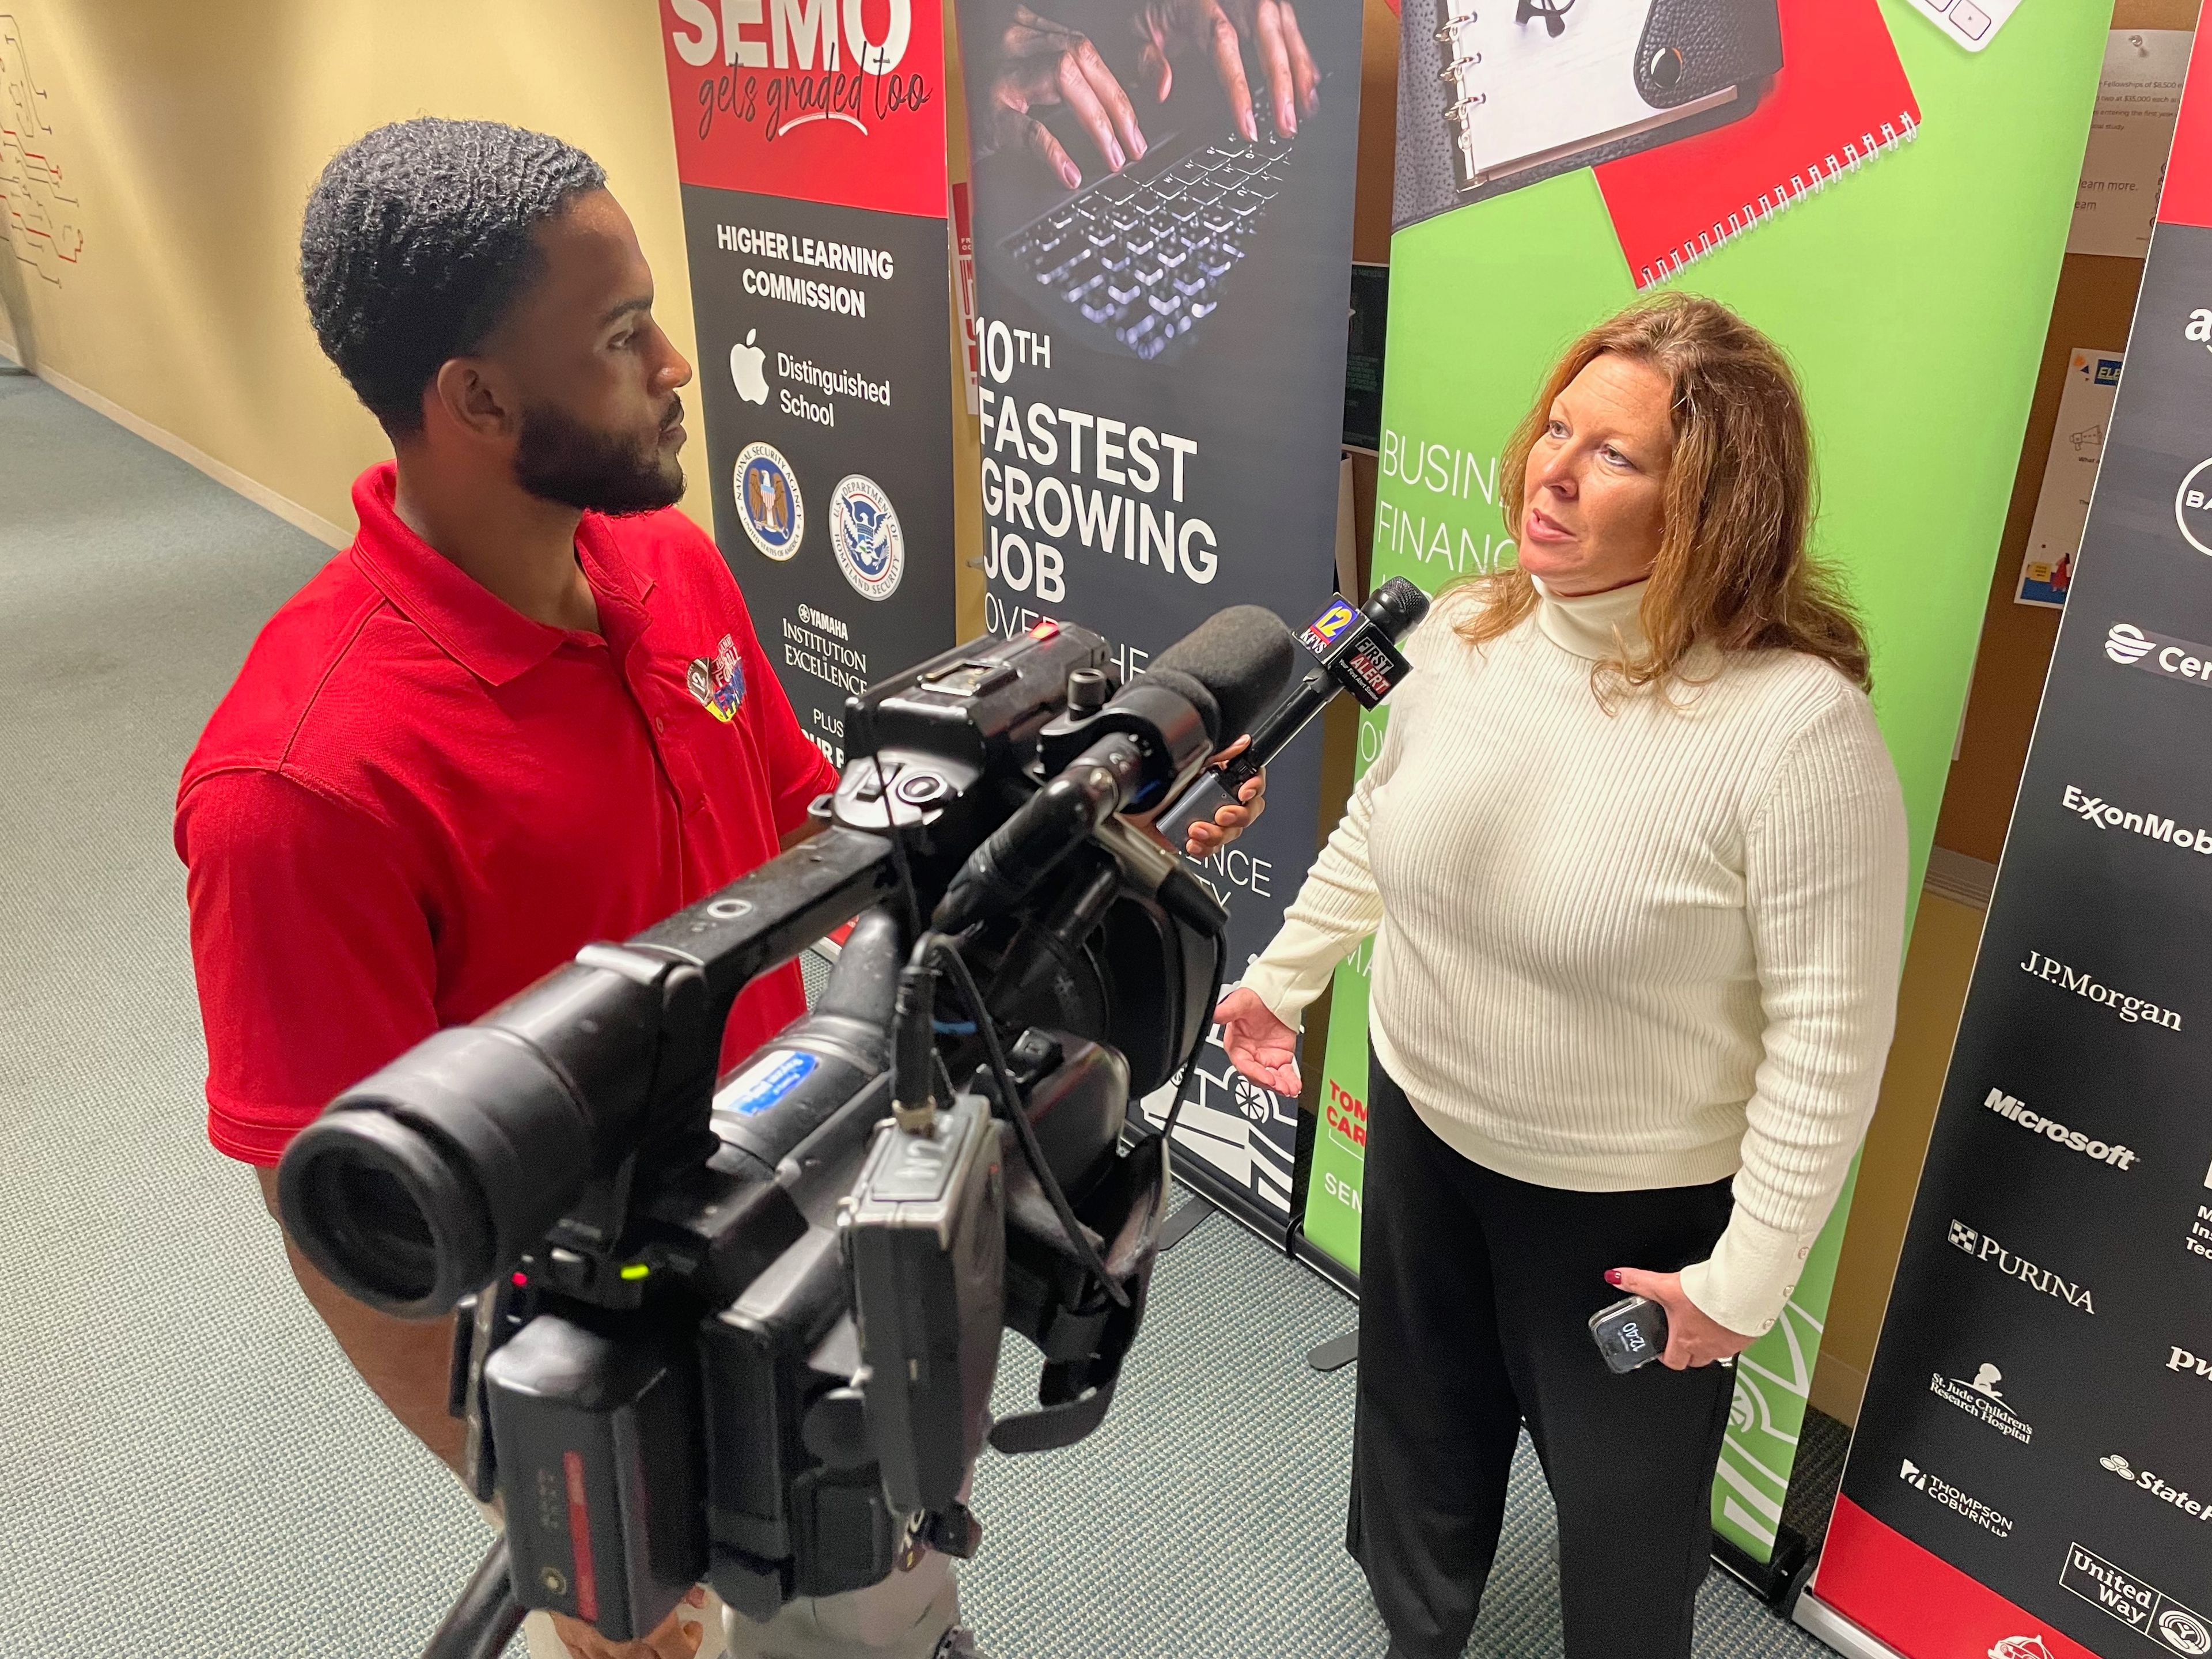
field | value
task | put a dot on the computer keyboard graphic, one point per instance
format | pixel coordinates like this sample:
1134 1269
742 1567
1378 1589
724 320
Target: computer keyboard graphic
1145 254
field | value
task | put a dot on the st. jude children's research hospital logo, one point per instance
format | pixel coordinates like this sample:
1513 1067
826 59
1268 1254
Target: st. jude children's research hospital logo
768 502
720 685
864 531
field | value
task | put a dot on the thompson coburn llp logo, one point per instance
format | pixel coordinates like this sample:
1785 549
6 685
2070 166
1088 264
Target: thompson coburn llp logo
1953 1499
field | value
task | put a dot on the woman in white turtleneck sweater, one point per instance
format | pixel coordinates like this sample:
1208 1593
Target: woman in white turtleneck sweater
1637 857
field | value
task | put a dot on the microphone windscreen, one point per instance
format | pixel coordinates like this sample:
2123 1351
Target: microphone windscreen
1396 606
1242 657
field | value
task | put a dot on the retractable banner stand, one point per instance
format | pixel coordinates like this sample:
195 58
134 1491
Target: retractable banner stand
1162 285
810 141
1843 172
2031 1477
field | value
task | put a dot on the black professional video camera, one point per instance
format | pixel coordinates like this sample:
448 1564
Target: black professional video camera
746 1333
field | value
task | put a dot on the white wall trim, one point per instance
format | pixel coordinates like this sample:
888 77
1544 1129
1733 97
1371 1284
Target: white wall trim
224 474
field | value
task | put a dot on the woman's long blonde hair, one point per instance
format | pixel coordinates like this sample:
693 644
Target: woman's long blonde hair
1733 570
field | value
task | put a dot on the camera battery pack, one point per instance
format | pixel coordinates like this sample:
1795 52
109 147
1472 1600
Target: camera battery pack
926 1241
599 1459
1630 1332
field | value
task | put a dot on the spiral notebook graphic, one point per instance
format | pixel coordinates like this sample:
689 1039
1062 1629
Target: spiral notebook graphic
1532 84
1839 101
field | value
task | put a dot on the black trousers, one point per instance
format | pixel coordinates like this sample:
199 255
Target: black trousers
1475 1294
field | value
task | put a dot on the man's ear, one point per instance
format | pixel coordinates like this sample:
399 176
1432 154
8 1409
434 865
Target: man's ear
470 394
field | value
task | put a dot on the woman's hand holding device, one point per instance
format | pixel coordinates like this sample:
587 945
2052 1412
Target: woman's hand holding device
1693 1338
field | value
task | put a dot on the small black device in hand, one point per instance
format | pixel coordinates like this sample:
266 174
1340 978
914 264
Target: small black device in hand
1629 1333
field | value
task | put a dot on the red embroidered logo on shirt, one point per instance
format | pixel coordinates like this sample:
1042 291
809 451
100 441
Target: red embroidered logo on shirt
720 685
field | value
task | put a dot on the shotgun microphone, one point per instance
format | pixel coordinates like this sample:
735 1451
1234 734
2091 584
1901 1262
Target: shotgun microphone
1146 742
1353 650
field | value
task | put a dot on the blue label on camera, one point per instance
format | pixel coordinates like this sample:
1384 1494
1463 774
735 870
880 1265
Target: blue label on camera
764 1083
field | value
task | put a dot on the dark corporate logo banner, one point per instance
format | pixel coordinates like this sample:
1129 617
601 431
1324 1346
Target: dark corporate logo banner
1162 228
810 140
2031 1477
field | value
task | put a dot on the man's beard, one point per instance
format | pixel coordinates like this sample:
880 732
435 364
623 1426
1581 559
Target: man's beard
558 458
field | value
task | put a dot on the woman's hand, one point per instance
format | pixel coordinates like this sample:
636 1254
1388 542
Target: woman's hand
1207 838
1040 63
1260 1045
1692 1338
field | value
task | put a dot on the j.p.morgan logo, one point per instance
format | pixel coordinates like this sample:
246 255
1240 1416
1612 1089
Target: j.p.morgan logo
1983 1400
1951 1497
2107 815
2131 1009
2146 1480
2074 1140
2159 653
1984 1248
2141 1606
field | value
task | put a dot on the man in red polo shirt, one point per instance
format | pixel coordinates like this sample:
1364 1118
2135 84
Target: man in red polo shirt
523 711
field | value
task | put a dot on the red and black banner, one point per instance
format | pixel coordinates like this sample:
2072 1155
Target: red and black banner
810 140
2031 1476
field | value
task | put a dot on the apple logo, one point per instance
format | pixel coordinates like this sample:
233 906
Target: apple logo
746 369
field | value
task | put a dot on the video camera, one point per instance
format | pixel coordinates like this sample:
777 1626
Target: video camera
745 1331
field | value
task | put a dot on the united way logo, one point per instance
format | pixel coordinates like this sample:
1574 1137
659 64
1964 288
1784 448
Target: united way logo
768 500
864 531
719 684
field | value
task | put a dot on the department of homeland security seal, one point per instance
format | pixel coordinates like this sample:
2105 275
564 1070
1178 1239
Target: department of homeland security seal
768 502
864 532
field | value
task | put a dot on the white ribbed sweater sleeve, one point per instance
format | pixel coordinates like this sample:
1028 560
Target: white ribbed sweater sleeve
1824 876
1337 906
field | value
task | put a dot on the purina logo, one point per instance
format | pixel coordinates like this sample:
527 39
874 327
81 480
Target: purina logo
1983 1248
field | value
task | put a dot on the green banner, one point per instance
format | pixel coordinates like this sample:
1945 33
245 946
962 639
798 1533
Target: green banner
1906 192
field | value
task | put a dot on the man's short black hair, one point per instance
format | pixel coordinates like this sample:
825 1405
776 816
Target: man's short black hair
417 239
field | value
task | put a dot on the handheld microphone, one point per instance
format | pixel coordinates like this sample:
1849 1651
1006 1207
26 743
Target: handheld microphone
1126 753
1355 651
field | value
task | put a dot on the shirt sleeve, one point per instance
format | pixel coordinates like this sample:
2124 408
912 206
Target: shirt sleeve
312 948
1826 857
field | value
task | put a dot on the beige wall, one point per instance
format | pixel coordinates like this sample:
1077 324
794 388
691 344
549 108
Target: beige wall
191 135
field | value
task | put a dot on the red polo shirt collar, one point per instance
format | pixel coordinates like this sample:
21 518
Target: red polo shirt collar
477 629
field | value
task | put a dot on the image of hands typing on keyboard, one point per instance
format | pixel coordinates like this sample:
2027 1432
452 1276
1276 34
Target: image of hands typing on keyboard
1130 155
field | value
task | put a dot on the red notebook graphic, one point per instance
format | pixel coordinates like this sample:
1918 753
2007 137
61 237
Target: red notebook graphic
1839 102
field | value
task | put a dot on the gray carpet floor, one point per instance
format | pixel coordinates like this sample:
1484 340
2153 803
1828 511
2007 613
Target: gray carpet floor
189 1470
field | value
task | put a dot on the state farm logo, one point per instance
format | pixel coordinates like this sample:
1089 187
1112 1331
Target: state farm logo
1953 1499
1983 1400
2074 1140
2195 1508
2159 653
2192 508
1987 1250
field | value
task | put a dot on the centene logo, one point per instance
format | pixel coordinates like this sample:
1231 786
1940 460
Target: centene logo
2156 653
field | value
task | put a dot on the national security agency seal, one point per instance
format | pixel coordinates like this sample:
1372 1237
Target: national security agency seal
768 500
864 532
